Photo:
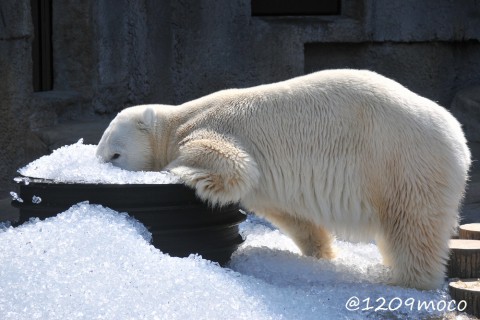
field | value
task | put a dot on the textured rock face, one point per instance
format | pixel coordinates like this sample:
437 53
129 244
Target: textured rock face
430 46
466 107
106 56
15 65
433 69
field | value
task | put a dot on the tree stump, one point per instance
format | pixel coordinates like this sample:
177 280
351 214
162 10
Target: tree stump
467 290
464 259
469 231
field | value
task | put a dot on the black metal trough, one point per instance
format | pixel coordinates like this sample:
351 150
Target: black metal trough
180 223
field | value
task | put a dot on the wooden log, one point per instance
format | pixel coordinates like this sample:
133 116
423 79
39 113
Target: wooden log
467 290
464 260
469 231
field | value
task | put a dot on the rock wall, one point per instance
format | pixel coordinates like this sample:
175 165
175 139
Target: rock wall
430 46
15 89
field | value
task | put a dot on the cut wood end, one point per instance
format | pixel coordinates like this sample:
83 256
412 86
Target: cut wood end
474 227
464 244
469 231
466 284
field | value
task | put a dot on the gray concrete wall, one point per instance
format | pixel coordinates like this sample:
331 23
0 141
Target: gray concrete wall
110 54
107 55
15 94
431 46
434 69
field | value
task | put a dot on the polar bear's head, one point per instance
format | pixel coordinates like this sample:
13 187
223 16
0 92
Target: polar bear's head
128 142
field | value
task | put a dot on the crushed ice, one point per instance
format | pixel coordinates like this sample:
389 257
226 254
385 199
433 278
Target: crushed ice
25 180
91 262
16 197
36 200
78 163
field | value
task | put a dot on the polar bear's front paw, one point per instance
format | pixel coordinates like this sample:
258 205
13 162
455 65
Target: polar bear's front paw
212 187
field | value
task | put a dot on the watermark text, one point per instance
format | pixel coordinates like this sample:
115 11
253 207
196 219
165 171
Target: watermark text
355 303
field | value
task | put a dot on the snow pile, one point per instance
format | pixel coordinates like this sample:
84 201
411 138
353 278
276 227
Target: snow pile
78 163
91 262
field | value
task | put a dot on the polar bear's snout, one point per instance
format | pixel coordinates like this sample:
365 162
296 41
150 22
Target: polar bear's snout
126 143
104 149
104 155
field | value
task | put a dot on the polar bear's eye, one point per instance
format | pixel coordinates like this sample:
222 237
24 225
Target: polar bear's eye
115 156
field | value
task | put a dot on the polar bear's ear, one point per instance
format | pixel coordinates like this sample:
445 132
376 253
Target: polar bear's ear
146 121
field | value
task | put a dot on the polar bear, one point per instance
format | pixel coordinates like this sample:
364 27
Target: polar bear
344 152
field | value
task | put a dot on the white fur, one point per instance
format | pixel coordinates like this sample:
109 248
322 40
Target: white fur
342 150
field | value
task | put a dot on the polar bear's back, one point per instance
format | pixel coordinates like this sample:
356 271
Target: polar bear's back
341 112
344 140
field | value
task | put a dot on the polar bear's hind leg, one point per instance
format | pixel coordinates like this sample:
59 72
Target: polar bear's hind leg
312 240
416 227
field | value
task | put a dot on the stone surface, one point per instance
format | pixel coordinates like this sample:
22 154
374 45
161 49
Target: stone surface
434 42
90 130
444 67
424 20
15 20
466 108
15 92
470 212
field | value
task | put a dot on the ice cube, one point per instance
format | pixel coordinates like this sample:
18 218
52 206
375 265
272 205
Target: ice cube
15 197
36 200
